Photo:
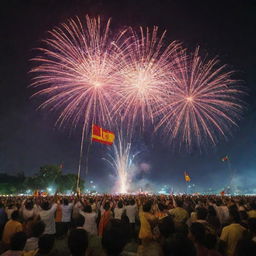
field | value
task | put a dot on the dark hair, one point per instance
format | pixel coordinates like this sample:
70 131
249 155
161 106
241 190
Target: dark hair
29 205
198 231
78 242
201 213
79 221
166 226
88 208
15 215
245 247
65 201
132 202
38 228
234 214
179 245
147 206
120 204
252 225
45 244
179 202
253 205
161 207
114 238
106 206
45 205
18 241
211 211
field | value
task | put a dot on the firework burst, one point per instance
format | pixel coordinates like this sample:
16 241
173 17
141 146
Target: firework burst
202 103
77 72
145 73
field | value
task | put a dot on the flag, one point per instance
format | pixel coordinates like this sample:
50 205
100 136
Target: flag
224 159
101 135
222 193
187 177
36 193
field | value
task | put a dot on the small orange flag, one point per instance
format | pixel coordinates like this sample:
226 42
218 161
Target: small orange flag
187 177
101 135
224 159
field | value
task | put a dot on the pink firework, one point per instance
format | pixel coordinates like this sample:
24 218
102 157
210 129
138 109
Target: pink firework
203 102
77 72
147 64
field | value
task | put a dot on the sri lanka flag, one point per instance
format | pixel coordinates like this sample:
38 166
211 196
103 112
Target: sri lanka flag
187 177
224 159
101 135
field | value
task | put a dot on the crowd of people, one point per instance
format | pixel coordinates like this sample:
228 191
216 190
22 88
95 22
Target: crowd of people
112 225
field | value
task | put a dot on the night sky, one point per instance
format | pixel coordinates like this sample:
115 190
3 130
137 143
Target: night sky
28 138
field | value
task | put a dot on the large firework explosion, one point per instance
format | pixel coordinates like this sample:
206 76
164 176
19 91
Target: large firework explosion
202 103
90 76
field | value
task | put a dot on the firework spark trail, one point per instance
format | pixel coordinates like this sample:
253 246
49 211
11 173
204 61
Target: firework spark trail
145 74
121 161
203 102
77 72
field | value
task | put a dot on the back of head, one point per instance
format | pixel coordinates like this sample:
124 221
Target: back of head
78 242
211 211
234 215
246 247
79 221
18 241
120 204
15 215
38 228
252 225
253 205
45 205
29 205
114 238
65 201
88 208
179 245
132 202
45 244
198 232
166 226
147 206
201 213
106 206
179 202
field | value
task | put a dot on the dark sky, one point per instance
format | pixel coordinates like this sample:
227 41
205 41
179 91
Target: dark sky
28 138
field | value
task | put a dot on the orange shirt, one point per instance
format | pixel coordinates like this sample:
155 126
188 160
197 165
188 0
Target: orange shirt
58 214
10 228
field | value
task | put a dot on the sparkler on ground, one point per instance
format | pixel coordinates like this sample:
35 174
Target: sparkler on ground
202 103
122 162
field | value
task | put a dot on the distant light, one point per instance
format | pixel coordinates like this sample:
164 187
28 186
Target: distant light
49 189
91 181
190 99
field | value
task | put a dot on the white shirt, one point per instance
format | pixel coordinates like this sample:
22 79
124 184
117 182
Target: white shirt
26 214
66 212
48 218
90 224
118 212
131 212
31 244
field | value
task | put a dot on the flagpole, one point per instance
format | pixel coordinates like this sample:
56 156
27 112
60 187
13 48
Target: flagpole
80 158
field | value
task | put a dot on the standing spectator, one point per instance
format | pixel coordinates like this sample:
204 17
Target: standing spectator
90 217
106 216
180 215
252 212
131 212
11 227
119 210
78 242
37 230
3 219
17 244
10 209
66 209
47 216
232 233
